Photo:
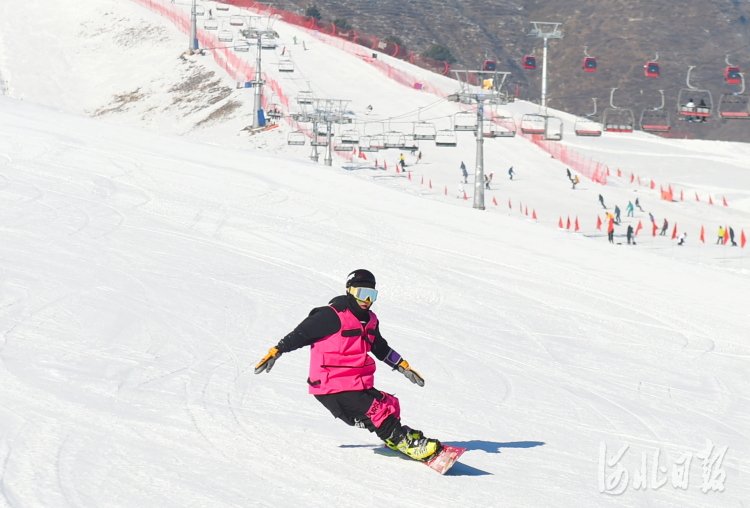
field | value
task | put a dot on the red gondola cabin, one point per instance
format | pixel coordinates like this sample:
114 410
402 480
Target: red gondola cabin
589 64
489 65
529 62
651 69
732 75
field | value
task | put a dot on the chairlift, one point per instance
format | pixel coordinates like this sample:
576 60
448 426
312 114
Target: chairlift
735 106
393 139
200 10
489 66
241 46
587 125
237 21
210 24
553 128
305 97
226 36
365 144
377 141
350 137
424 130
286 65
465 121
589 62
222 7
702 110
296 138
268 42
617 119
274 112
532 123
446 138
732 73
506 127
655 119
651 69
320 138
529 61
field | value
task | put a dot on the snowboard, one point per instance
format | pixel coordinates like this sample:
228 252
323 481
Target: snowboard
441 462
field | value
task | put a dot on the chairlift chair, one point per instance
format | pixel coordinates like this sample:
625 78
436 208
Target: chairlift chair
241 46
532 124
446 138
210 24
735 106
424 130
655 119
465 121
617 119
200 10
393 139
226 36
237 21
296 138
651 69
732 73
529 62
506 127
696 95
587 125
377 141
305 97
350 137
489 66
268 42
553 128
410 143
286 65
320 138
365 145
222 7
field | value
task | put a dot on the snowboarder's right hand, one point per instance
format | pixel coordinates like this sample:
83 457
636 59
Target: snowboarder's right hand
266 364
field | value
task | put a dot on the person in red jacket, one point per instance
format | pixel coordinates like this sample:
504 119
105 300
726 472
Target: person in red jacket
341 337
611 229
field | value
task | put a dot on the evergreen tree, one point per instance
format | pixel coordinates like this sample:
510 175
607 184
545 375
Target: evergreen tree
439 52
313 12
342 23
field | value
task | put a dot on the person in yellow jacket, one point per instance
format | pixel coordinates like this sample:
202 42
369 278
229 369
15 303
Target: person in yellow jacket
722 232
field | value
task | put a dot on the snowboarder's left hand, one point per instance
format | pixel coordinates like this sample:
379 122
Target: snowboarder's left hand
411 375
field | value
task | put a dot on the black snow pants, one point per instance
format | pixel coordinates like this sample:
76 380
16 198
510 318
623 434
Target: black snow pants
352 408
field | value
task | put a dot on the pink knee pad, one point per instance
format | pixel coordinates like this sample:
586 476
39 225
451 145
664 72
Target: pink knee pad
382 409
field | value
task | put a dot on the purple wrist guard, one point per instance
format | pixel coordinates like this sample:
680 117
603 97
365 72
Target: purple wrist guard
393 359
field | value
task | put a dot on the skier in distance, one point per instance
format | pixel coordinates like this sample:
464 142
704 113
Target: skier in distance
341 374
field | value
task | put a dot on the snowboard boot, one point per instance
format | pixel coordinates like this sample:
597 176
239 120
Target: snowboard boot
413 444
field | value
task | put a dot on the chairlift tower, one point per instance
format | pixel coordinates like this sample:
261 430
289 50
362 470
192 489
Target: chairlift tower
193 42
328 112
489 91
258 86
545 31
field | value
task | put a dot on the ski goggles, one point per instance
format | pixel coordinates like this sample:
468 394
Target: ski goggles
364 294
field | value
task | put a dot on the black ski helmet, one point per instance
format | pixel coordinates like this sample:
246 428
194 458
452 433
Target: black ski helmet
360 279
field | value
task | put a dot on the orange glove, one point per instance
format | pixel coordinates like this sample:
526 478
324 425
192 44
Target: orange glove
266 364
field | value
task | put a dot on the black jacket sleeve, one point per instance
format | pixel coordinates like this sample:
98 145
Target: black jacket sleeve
322 322
380 346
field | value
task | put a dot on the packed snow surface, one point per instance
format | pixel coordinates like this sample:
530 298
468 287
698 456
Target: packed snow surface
151 252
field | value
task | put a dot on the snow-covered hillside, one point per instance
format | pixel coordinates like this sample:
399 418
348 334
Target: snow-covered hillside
150 256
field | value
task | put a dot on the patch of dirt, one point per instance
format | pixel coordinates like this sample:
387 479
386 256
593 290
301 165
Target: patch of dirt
220 113
120 102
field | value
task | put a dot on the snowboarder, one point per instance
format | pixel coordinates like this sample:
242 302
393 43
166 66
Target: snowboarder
722 232
342 372
402 162
464 172
638 204
419 158
283 50
294 39
368 109
601 200
461 192
303 46
617 214
569 176
664 228
630 235
575 182
731 236
511 173
683 237
629 209
611 229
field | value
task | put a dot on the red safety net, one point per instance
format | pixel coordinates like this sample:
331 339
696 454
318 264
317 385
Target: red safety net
596 171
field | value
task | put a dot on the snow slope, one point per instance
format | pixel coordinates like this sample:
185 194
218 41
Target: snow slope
143 274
